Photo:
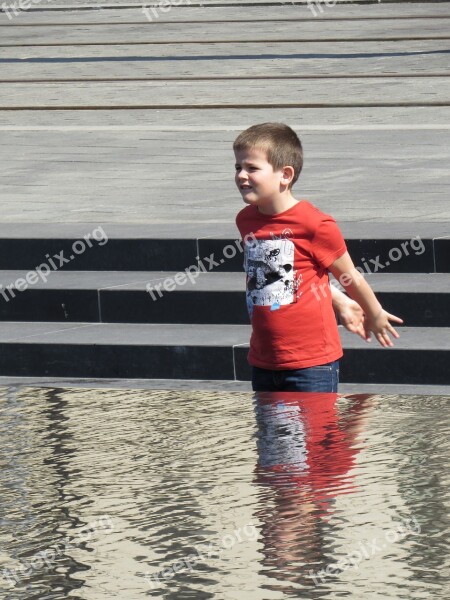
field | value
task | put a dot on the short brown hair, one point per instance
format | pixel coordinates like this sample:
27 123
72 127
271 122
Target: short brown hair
281 144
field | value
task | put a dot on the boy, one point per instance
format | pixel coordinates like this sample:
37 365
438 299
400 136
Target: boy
295 344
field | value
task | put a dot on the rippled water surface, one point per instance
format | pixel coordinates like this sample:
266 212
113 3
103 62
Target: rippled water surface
136 494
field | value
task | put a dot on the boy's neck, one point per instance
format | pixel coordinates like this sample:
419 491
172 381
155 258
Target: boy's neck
277 206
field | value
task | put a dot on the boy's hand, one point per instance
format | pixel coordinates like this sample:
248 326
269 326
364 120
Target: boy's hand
376 319
351 316
381 328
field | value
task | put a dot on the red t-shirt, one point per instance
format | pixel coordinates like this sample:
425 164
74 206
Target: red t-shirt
288 295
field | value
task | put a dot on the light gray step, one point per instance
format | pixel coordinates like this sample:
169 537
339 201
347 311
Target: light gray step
216 53
410 65
171 33
436 283
174 334
344 120
370 59
93 10
123 334
296 93
175 230
71 175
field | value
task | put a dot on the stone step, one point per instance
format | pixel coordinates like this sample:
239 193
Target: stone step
422 300
376 247
213 352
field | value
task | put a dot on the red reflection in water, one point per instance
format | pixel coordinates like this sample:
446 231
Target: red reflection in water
307 447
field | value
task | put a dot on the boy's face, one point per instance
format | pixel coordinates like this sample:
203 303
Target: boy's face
255 177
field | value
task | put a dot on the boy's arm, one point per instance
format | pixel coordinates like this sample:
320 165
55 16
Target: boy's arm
350 314
376 319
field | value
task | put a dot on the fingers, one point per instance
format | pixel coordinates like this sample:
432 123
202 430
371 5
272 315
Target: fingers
381 328
367 335
361 331
383 332
394 332
385 340
394 318
383 336
358 328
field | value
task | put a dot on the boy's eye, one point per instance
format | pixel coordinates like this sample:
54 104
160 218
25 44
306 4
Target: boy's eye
250 168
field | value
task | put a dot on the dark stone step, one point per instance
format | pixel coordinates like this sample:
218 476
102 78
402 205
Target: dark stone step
373 256
375 247
420 356
118 350
172 351
422 300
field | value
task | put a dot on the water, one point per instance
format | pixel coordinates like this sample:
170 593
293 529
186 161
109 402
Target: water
154 494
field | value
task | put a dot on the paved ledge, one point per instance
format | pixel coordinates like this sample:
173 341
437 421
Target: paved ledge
350 229
235 119
411 338
208 385
124 281
191 335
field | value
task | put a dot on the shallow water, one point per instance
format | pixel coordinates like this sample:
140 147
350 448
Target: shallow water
156 494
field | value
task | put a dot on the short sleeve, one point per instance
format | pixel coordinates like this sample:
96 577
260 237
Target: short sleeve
328 243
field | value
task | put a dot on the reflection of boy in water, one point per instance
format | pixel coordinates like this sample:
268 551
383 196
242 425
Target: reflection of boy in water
306 449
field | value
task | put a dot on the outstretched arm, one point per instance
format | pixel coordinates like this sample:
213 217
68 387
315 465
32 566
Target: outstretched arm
376 319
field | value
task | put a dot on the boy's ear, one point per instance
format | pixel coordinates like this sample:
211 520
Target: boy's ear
288 175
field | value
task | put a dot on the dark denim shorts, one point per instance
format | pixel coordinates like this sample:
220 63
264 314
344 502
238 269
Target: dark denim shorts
322 378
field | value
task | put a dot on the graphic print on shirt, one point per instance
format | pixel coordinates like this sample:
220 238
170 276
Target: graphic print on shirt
271 279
